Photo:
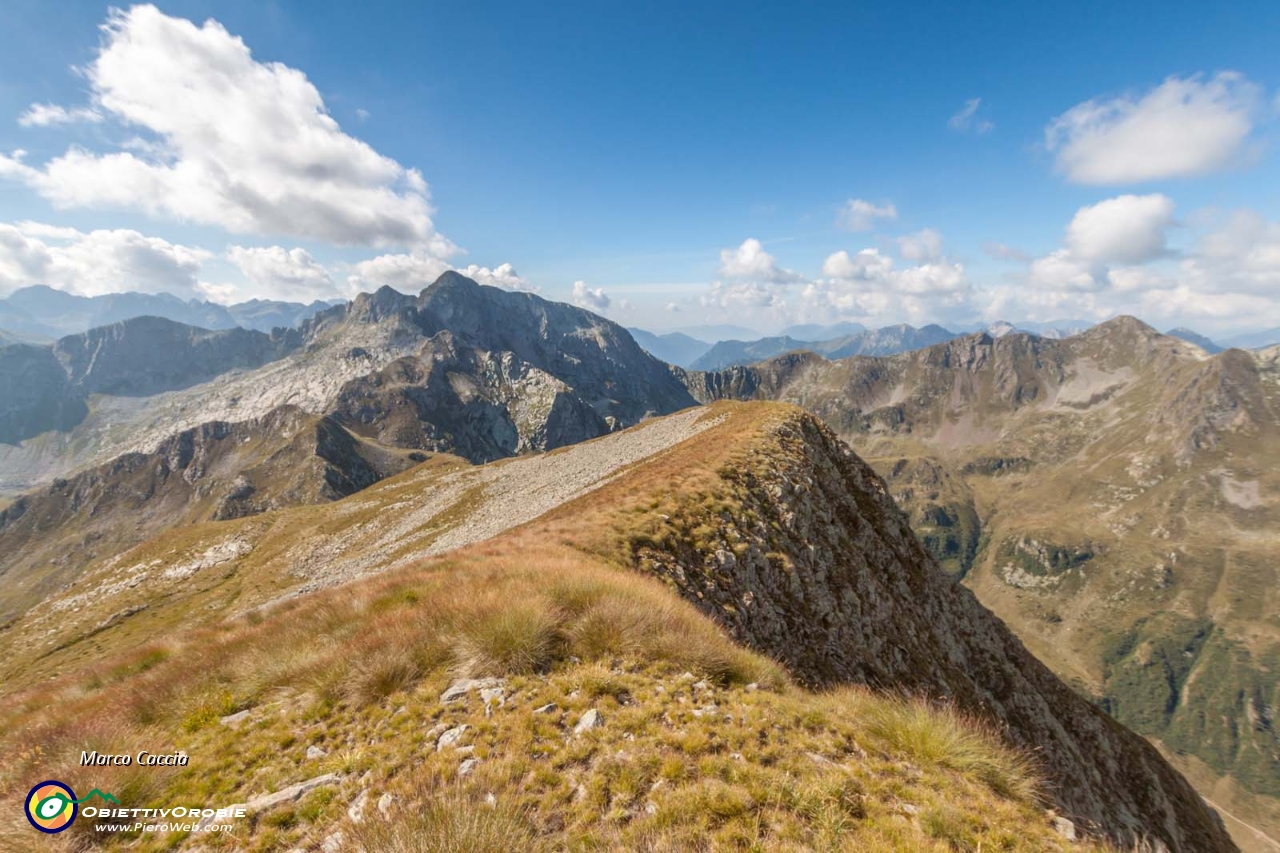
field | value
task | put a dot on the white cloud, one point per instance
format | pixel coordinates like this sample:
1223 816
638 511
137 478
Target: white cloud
279 273
1126 229
97 262
1062 271
867 284
46 115
750 262
1183 127
866 265
967 120
231 142
672 308
742 295
1106 245
592 299
860 215
408 273
503 275
1242 255
413 271
1228 279
924 245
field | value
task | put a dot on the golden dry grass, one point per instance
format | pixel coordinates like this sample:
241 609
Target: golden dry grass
729 756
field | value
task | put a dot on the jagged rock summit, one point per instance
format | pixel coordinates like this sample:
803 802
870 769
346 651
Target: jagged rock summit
460 367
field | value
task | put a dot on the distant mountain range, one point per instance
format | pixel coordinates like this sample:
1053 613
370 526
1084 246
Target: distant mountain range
43 313
1254 340
720 346
816 332
886 341
673 347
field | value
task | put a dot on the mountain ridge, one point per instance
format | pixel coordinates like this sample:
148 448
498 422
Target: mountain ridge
48 313
1107 495
757 497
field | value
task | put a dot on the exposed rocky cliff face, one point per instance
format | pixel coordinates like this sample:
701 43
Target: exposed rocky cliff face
35 393
806 557
47 387
460 367
1112 496
502 373
149 355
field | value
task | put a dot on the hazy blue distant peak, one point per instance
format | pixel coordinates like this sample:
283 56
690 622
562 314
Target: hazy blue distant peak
819 332
43 312
1254 340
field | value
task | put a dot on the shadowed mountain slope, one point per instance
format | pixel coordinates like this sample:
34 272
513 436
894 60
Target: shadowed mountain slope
1111 496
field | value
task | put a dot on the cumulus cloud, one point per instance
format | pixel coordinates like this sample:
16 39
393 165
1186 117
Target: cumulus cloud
1240 255
279 273
967 119
411 272
865 285
1229 277
46 115
592 299
742 295
503 275
860 215
1185 126
228 141
1104 246
1063 271
408 273
1127 229
750 262
97 262
924 245
866 265
868 284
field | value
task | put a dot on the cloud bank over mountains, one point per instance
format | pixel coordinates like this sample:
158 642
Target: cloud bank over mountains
1115 257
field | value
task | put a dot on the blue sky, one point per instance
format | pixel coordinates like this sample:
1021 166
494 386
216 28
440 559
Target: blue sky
641 151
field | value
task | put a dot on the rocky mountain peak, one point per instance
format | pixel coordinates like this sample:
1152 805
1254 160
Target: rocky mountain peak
373 307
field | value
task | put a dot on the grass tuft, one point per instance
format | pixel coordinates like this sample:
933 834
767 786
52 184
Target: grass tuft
515 640
942 736
453 823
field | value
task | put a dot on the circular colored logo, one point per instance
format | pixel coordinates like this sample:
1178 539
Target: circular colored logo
51 806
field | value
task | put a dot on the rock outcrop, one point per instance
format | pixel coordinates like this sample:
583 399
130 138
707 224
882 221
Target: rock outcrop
1138 451
816 566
